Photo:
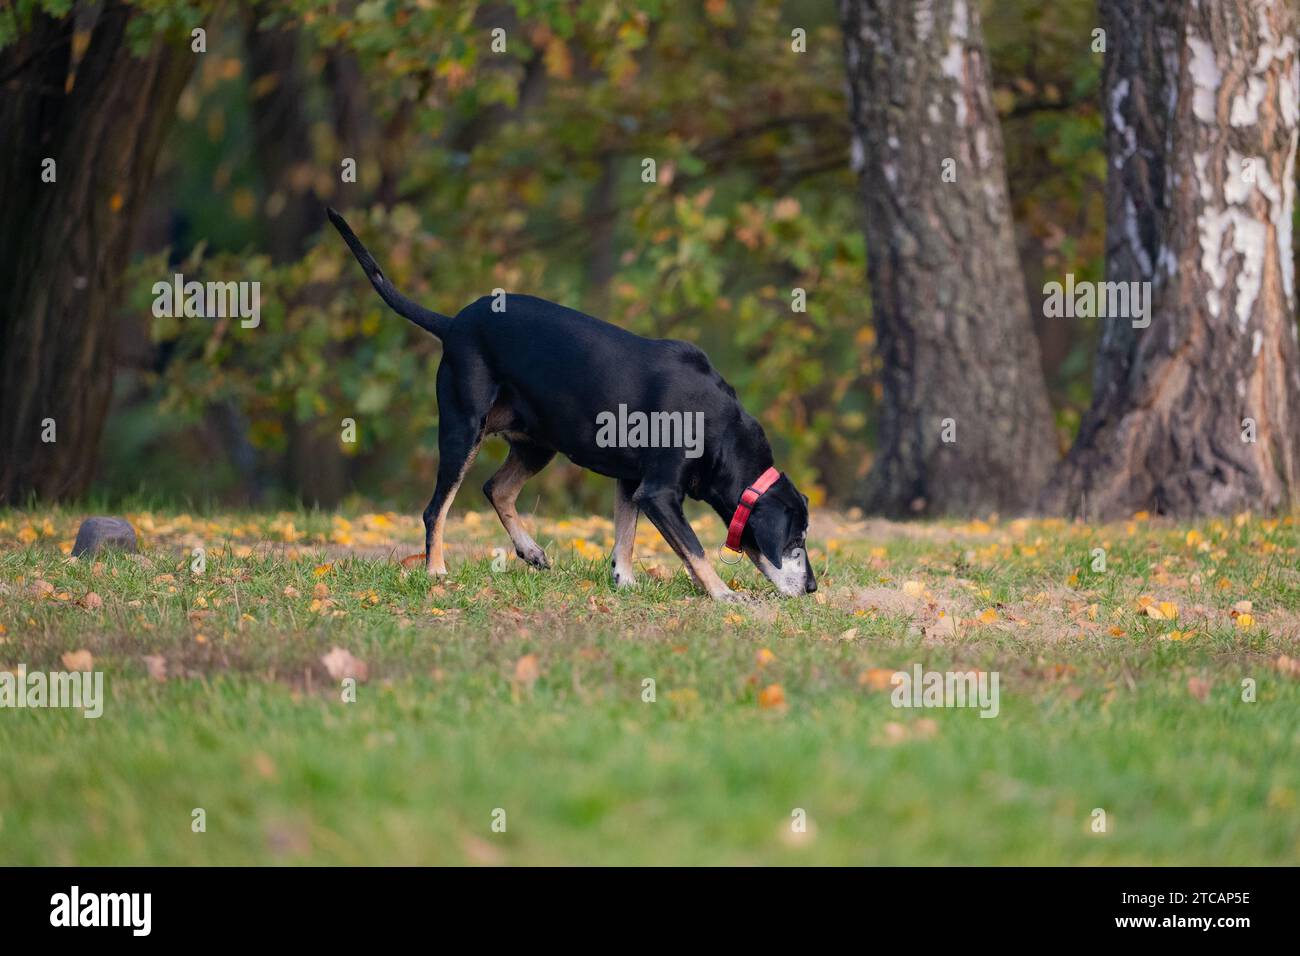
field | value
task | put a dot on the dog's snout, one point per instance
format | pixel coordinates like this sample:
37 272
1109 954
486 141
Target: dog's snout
810 585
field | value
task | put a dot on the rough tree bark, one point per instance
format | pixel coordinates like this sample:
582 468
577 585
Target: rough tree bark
65 244
959 356
1199 413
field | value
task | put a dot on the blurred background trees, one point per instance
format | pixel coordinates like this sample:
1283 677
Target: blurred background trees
521 169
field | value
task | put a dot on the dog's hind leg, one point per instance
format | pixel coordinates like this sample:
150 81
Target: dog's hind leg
462 415
456 454
502 489
625 515
663 506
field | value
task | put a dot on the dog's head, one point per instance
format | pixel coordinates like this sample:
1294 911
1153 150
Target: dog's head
775 539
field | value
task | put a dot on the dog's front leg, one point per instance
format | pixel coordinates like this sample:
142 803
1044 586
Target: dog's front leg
625 516
664 509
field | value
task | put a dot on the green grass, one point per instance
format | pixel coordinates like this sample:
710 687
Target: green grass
523 691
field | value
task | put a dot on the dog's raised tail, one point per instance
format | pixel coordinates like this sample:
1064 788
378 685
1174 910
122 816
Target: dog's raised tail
430 321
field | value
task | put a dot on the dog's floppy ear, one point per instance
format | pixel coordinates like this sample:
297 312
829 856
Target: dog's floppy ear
771 526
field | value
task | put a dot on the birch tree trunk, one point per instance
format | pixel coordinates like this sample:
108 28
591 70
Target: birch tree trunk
1199 412
964 426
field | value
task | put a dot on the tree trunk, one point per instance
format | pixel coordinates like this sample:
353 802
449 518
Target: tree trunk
65 244
282 141
1199 413
964 424
315 468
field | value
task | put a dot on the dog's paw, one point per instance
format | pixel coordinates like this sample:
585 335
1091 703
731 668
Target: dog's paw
534 556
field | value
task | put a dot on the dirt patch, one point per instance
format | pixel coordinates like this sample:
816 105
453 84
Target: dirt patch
935 615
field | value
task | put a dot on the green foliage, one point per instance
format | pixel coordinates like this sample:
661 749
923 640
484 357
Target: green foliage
739 217
523 170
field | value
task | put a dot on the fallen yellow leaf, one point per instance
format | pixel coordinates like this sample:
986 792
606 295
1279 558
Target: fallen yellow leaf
771 696
876 678
1164 611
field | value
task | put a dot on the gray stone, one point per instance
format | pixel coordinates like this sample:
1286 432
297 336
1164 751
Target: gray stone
96 534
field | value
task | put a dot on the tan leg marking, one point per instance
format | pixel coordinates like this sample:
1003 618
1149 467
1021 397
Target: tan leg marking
625 518
706 577
434 564
505 486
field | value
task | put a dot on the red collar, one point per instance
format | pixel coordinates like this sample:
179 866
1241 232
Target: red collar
747 501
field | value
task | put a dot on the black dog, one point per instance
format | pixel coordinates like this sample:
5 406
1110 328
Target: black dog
541 375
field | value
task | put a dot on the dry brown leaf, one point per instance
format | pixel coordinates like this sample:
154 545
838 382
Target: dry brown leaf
156 664
925 728
342 665
894 732
264 765
527 670
81 660
480 852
